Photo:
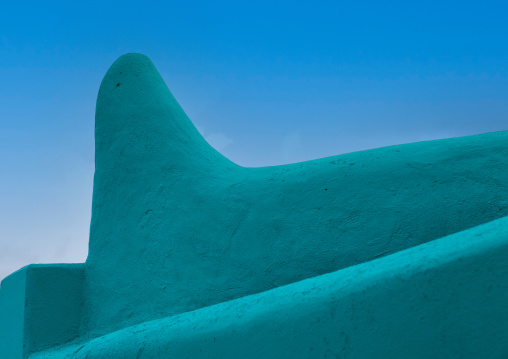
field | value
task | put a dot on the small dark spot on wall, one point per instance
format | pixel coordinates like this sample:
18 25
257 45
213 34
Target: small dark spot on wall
118 84
326 189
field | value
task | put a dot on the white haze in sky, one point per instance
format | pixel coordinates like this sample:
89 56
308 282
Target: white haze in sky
266 83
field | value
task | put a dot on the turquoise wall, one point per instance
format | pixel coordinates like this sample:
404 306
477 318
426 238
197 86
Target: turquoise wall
443 299
191 254
176 226
12 314
40 307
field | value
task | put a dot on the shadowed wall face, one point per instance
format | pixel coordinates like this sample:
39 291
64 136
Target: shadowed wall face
442 299
176 226
40 307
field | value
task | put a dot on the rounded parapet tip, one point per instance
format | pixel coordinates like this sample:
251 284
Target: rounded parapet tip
138 119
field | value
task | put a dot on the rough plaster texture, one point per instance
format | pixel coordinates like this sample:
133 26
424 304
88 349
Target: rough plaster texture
443 299
177 228
40 307
12 314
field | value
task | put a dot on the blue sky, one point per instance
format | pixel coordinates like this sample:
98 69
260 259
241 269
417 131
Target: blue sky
266 83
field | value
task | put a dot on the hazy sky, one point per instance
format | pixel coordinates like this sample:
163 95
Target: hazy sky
266 82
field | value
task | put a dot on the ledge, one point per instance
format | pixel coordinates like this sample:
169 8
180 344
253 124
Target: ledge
445 298
40 307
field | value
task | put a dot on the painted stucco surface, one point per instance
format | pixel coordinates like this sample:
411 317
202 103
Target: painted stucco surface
177 229
176 226
443 299
40 307
12 303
